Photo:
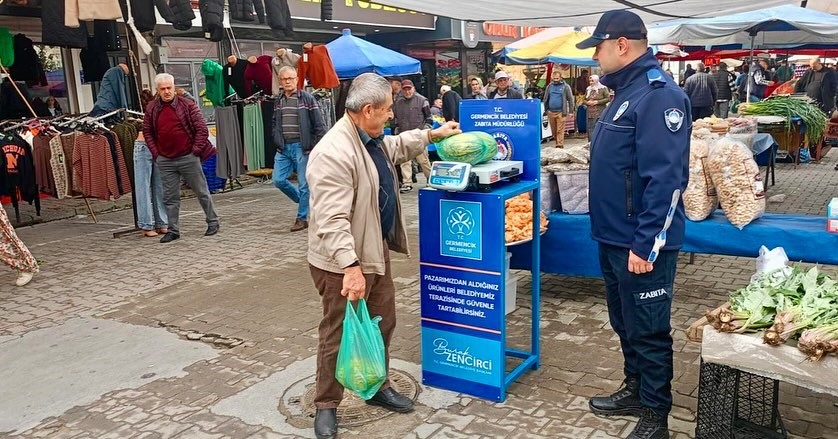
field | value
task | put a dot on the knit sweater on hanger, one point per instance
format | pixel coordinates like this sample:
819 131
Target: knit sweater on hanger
316 66
234 77
258 73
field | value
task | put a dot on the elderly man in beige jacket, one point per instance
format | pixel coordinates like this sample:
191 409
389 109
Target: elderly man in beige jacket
355 221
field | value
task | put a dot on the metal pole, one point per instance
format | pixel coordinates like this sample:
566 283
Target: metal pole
750 67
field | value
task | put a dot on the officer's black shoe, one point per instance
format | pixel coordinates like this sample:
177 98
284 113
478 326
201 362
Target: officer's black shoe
326 424
625 401
650 426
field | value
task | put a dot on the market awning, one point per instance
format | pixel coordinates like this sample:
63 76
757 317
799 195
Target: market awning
785 25
560 50
586 13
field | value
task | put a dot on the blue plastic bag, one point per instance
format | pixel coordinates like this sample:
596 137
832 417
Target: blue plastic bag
361 366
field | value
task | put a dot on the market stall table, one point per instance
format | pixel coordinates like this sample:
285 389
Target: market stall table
568 249
739 380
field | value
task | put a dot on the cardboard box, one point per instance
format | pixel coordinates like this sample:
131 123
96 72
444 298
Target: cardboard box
832 216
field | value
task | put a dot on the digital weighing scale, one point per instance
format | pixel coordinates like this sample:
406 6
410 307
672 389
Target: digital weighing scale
457 176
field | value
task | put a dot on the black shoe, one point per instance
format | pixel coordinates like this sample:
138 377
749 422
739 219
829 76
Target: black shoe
391 400
625 401
212 229
650 426
405 188
326 424
169 237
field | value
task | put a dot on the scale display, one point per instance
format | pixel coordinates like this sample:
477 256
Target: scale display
449 176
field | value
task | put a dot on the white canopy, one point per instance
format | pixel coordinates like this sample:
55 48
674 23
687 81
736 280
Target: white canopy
780 26
582 13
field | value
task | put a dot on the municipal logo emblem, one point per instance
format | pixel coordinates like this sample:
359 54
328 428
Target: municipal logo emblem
621 110
674 119
460 222
504 147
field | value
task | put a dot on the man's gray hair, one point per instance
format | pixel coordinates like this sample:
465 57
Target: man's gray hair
368 88
700 67
164 78
288 69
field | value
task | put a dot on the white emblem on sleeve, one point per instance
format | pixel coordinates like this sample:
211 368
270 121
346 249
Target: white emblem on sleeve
674 119
621 110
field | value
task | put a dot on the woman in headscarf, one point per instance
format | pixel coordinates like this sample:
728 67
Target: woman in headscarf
597 97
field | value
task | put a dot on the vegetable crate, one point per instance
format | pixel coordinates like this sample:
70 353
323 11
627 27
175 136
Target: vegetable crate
733 404
573 191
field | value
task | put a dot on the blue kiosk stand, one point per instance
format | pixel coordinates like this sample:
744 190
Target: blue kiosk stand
463 271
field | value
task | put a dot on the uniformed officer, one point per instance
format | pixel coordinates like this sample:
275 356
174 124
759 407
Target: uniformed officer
639 167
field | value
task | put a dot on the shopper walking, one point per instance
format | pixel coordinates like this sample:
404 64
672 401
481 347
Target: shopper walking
701 89
558 101
597 97
177 137
412 111
297 126
13 252
726 86
356 220
639 168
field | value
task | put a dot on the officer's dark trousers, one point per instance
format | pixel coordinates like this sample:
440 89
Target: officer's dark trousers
639 309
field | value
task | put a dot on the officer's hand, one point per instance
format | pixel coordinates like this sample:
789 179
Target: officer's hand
354 283
447 129
638 265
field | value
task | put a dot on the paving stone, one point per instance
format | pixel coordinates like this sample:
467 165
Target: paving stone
251 282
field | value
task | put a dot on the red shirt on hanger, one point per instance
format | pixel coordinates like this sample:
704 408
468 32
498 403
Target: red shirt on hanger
316 66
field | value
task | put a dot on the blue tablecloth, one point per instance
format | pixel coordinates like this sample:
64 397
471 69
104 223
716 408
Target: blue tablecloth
567 247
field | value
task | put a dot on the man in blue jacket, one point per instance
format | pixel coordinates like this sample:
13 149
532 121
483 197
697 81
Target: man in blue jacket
639 167
558 101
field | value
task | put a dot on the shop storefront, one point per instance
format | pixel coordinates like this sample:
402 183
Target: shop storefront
455 52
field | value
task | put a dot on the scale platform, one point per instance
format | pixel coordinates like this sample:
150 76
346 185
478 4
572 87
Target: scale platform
457 177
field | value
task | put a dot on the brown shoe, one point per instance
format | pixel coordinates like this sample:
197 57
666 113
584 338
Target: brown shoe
299 225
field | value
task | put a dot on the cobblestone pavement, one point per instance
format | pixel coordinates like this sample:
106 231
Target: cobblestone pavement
247 294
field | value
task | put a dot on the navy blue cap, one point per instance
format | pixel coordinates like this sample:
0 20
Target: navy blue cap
615 24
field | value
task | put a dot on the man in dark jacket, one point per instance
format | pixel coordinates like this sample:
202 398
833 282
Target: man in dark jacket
639 168
558 101
504 91
412 111
702 92
297 127
450 103
178 139
819 84
725 86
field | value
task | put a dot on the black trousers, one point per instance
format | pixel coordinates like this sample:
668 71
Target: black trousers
639 308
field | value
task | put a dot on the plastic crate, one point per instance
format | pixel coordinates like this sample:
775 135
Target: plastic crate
573 191
733 404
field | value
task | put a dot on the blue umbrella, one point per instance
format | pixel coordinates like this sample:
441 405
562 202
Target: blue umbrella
353 56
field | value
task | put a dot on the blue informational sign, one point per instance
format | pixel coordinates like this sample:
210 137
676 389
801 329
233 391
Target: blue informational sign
515 125
460 225
462 252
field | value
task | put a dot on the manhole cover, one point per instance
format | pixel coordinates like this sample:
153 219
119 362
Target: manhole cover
297 404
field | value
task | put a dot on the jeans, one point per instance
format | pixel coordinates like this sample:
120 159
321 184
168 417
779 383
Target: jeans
721 109
189 168
148 190
639 310
291 159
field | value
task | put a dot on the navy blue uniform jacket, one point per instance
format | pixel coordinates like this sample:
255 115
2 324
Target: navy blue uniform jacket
639 157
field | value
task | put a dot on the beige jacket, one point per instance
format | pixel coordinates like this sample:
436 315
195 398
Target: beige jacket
87 10
344 220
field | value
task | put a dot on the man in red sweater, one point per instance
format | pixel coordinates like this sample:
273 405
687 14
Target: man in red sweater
178 139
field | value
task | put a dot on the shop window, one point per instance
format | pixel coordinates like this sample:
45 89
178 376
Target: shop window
56 81
190 48
449 70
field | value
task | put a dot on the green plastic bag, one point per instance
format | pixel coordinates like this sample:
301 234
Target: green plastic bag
361 366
